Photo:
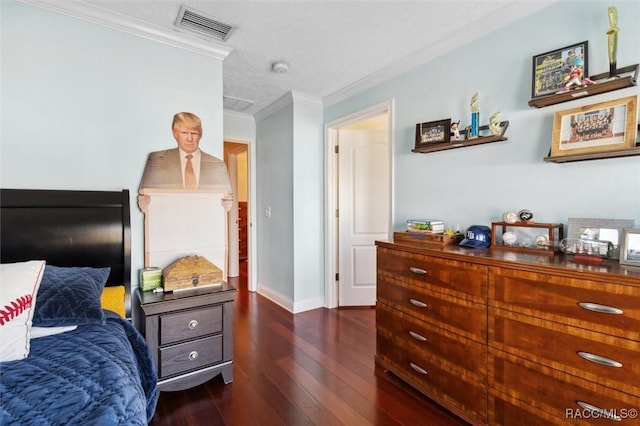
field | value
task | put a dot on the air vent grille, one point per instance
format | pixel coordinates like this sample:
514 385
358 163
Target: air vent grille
200 23
235 104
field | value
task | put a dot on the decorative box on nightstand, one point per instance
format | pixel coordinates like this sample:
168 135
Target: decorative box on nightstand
190 334
530 237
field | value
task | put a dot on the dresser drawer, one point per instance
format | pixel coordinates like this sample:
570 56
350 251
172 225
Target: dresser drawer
460 316
552 394
190 324
600 306
183 357
455 390
461 279
598 357
396 329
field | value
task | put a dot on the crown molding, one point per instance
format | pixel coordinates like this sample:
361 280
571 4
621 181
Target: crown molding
106 18
510 13
237 115
286 99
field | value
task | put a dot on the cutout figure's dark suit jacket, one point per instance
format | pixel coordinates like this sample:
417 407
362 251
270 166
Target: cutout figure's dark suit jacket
164 171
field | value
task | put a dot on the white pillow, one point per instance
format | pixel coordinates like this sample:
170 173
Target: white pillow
19 283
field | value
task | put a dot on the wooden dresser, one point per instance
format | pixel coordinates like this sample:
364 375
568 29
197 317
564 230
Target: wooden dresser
243 230
505 338
190 334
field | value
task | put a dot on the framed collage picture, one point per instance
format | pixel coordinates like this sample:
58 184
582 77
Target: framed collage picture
433 132
552 69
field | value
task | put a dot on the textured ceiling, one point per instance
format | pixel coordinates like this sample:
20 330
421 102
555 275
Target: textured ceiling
332 48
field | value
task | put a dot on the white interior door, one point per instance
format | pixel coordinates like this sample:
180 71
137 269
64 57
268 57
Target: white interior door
363 210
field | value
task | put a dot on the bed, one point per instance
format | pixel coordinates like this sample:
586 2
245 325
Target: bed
70 354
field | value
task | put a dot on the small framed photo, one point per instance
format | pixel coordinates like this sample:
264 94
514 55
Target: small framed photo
602 127
600 230
433 132
630 247
551 68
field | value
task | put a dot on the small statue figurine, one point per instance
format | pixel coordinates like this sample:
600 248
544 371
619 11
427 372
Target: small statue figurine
613 40
575 78
455 130
494 123
475 115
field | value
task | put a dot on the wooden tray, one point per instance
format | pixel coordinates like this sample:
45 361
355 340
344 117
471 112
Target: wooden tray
426 238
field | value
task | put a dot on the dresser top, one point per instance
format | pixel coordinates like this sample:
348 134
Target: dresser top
559 263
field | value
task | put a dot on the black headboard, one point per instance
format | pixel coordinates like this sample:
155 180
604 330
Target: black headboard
69 228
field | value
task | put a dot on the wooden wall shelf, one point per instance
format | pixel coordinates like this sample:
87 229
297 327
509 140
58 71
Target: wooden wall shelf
594 156
603 85
466 142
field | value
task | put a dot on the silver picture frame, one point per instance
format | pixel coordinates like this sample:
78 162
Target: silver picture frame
630 247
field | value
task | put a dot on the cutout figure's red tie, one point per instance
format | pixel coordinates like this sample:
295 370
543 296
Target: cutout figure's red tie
189 175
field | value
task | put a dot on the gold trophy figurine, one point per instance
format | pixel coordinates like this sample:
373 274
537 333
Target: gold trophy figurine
613 40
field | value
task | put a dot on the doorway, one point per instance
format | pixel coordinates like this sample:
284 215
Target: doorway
359 202
236 157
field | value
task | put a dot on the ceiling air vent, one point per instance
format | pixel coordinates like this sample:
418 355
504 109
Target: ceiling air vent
196 21
235 104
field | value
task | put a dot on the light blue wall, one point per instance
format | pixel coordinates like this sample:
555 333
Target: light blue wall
290 178
475 185
83 105
308 198
274 179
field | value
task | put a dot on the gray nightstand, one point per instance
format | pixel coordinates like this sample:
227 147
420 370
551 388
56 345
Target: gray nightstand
190 334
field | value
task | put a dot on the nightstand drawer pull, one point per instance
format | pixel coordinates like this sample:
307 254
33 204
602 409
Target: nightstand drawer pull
193 355
600 359
417 336
419 271
603 309
418 369
418 303
600 412
193 324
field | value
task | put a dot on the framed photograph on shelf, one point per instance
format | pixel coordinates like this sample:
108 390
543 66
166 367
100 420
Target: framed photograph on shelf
551 68
630 247
591 129
600 230
433 132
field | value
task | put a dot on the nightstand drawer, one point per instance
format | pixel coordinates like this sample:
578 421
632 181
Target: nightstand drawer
190 324
188 356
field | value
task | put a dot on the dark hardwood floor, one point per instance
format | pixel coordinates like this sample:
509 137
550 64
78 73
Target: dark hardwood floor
312 368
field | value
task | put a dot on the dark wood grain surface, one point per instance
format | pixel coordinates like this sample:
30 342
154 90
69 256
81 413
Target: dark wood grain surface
312 368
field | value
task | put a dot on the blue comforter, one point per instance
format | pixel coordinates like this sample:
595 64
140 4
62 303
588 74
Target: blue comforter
93 375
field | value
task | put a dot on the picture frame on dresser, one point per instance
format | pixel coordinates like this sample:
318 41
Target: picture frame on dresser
597 128
599 229
433 132
630 247
550 68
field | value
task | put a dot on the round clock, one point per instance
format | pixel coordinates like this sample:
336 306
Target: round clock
525 215
510 217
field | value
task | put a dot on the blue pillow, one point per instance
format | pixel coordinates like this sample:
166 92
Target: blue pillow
70 296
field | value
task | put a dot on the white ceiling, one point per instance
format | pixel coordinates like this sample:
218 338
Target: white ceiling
332 48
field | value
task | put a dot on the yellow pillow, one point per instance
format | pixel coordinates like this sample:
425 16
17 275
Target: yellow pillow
112 298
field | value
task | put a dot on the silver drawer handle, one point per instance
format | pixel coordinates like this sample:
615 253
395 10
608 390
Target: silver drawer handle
603 309
417 336
418 368
602 413
600 359
193 324
418 270
418 303
193 355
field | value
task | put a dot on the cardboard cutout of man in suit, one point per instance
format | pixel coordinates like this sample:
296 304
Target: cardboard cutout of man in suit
166 169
